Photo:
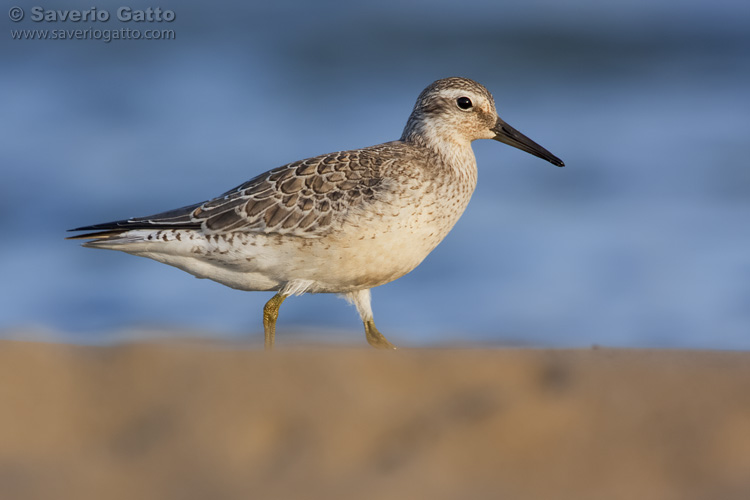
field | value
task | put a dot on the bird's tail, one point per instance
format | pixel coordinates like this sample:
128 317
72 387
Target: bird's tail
112 240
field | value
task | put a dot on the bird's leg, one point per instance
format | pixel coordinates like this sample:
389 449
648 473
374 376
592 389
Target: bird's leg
361 299
270 314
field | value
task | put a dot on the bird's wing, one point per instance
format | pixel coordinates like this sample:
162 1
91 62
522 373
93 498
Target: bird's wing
305 198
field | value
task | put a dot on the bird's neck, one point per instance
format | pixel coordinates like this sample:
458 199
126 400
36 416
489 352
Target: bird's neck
454 153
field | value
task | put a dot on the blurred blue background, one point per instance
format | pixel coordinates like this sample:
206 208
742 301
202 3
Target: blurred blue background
643 240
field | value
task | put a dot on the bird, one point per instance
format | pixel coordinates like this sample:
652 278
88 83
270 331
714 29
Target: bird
340 223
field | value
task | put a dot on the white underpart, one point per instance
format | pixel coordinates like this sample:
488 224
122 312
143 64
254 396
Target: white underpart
296 287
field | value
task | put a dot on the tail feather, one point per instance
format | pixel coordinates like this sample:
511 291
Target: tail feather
129 241
179 218
96 235
127 231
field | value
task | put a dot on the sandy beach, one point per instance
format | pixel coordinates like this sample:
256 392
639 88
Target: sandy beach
200 420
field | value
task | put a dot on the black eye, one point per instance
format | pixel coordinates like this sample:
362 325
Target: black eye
464 102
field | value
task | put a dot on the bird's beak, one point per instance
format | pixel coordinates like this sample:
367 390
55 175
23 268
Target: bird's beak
507 134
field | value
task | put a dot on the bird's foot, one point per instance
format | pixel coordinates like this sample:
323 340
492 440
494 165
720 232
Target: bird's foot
375 338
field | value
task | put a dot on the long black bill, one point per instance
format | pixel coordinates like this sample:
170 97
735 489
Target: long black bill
512 137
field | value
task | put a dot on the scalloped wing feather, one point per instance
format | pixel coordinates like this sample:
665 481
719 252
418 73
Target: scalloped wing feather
306 198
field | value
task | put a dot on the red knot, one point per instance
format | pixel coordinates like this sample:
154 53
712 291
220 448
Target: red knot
340 223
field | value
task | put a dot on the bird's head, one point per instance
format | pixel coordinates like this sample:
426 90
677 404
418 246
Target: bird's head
460 110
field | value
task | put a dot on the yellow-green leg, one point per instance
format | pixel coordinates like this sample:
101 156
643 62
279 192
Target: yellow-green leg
375 338
270 314
361 300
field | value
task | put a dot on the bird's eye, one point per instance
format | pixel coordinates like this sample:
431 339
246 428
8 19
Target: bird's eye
464 102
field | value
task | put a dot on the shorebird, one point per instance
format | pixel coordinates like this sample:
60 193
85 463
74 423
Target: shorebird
341 223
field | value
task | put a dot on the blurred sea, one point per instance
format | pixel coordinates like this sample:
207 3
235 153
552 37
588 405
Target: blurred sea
643 240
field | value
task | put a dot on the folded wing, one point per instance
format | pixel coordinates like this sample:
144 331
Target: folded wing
305 198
